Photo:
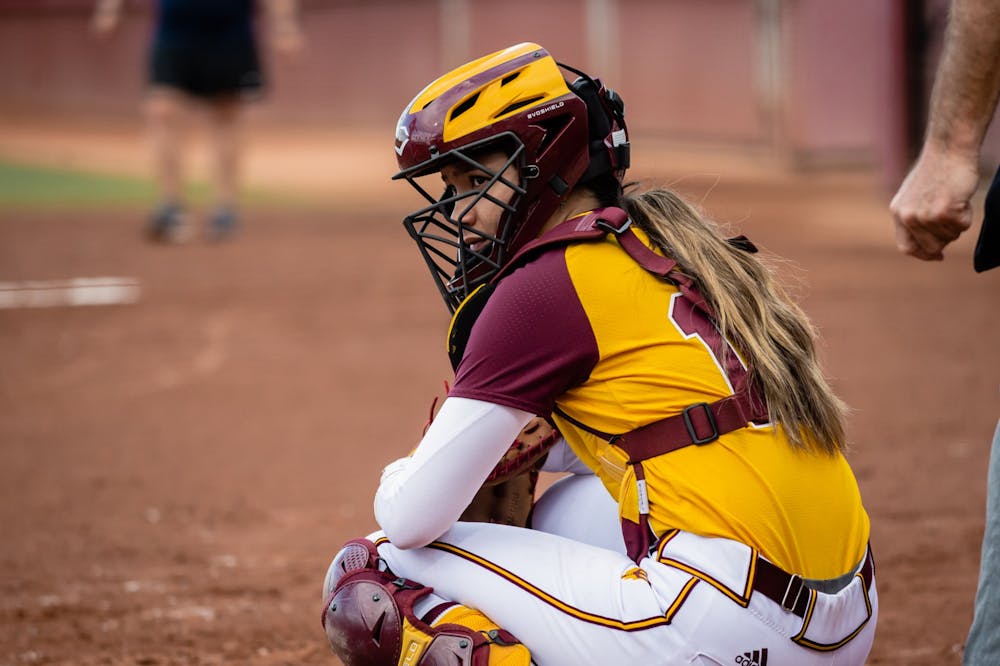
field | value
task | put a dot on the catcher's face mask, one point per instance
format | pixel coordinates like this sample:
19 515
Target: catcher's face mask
515 103
464 235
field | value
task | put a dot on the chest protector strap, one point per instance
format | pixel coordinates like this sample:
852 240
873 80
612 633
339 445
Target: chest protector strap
698 424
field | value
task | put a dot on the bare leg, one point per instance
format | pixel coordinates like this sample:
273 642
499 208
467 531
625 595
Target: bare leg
224 115
226 139
164 117
164 110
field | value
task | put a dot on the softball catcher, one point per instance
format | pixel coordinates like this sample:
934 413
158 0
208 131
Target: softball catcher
710 517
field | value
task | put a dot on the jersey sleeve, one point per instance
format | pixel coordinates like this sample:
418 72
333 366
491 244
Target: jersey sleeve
532 342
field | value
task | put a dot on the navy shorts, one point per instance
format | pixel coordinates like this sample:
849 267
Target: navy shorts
207 71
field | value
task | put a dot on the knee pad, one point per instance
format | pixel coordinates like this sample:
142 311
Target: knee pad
369 620
356 554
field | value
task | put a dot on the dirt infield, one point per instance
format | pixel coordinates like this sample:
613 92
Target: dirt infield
176 473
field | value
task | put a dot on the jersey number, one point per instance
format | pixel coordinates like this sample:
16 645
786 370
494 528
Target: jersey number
692 323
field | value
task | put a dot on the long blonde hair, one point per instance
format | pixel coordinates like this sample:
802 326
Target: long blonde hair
754 312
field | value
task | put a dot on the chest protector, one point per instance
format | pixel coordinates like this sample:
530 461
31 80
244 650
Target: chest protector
697 425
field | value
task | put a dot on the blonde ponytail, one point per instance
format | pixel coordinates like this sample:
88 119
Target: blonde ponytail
753 312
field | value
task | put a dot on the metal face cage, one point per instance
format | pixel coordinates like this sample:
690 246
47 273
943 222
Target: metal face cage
461 258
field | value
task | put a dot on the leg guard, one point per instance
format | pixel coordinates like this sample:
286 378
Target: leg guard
369 621
356 554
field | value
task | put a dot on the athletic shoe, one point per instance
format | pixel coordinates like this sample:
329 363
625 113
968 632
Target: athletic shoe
168 224
223 224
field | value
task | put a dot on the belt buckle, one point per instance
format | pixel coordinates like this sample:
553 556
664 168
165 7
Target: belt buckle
689 424
798 593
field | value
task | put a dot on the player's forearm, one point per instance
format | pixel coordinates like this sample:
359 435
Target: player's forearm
967 84
283 12
285 29
108 7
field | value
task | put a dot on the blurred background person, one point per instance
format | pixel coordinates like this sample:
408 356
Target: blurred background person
203 54
933 207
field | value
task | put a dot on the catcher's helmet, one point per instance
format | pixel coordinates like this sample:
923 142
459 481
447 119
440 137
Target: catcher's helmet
555 136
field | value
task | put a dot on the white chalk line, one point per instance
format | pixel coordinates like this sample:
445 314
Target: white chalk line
74 292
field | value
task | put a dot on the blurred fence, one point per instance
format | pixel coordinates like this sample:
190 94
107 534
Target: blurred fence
810 81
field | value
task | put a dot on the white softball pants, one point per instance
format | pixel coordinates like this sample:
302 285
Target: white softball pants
574 603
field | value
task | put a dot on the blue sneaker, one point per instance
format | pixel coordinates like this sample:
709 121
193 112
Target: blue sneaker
223 224
168 224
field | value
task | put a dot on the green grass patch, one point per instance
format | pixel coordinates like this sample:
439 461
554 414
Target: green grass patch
34 186
29 186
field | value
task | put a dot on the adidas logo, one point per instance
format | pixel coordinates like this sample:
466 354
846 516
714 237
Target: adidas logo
755 658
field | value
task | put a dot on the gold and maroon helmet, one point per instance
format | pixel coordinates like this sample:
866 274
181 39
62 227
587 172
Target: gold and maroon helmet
515 101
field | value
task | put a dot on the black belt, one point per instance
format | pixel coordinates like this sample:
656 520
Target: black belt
790 590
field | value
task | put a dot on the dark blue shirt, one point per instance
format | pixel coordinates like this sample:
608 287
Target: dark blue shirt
184 23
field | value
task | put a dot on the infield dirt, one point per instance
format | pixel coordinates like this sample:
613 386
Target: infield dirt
176 474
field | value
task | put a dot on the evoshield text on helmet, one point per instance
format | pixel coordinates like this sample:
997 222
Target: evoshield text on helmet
517 103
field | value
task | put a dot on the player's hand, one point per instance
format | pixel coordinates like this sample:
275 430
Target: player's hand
932 207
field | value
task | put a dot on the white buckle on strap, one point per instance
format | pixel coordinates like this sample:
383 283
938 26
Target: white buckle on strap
798 593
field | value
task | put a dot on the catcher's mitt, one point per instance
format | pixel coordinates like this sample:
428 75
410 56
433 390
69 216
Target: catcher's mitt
508 493
507 502
527 451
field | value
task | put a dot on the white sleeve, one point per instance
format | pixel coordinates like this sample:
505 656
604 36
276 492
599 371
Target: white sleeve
562 459
421 496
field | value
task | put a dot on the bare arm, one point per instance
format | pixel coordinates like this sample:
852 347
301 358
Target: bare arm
285 28
107 14
932 207
968 82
